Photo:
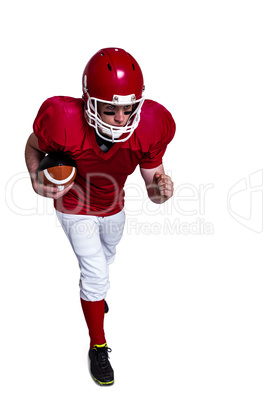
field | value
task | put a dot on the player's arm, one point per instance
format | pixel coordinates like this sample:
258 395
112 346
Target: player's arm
33 157
159 185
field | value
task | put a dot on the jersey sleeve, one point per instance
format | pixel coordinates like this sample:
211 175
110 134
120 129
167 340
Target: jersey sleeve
49 126
162 130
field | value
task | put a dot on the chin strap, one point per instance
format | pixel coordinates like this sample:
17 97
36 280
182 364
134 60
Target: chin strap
112 134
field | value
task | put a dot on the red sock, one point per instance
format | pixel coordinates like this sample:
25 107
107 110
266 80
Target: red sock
94 316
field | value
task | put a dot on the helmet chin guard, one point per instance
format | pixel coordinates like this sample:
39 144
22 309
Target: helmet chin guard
109 132
112 76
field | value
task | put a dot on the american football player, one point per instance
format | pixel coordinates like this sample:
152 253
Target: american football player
108 132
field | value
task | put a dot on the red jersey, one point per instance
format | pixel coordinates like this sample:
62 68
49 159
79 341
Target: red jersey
99 185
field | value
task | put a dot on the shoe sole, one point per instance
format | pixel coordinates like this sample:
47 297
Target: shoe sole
102 383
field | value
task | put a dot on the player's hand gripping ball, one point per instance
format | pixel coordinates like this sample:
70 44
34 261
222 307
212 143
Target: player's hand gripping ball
57 170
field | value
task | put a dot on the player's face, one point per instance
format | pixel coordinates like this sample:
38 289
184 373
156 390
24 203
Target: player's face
114 115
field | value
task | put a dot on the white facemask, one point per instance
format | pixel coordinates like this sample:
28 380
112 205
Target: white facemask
93 118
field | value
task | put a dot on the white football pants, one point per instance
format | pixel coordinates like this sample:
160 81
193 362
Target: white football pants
94 240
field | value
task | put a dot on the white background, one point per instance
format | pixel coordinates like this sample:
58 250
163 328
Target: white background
188 297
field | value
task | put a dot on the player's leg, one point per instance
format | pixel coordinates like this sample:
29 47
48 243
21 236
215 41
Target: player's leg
111 232
83 234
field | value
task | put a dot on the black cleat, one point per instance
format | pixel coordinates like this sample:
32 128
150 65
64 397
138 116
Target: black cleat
100 367
106 307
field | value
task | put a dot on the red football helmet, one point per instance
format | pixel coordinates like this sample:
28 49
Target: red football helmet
112 76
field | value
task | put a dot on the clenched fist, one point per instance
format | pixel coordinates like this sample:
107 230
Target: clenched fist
163 185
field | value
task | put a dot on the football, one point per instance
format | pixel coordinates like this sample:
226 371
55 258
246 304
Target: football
57 170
